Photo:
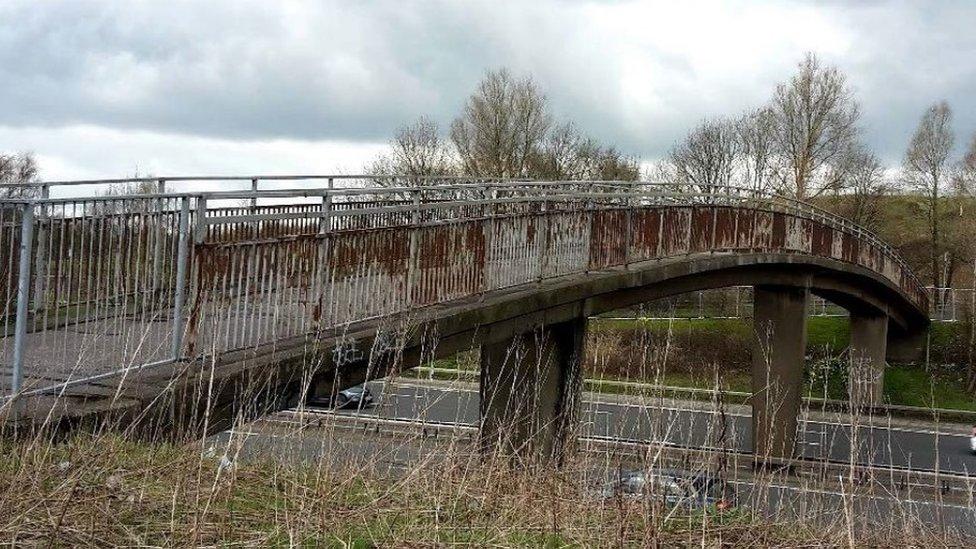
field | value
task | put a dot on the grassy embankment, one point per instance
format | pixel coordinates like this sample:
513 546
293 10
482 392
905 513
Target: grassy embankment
109 491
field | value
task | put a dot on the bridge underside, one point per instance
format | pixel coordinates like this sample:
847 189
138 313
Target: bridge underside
193 398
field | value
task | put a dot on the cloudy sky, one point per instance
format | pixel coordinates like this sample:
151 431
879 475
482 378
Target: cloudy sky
219 87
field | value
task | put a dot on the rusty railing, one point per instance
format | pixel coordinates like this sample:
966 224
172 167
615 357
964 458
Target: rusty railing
143 272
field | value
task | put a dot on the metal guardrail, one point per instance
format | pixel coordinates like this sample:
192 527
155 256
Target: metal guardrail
99 285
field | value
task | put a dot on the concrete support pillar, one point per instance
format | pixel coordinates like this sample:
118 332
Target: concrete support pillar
530 392
869 342
777 369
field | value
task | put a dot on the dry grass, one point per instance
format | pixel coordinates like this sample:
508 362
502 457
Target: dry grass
106 491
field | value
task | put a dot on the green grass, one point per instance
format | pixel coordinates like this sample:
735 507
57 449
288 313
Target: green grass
823 332
731 381
905 385
913 386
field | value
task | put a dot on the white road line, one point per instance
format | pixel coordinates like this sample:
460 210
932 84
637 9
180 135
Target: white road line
691 410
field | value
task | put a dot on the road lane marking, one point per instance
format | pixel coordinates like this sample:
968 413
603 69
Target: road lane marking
600 402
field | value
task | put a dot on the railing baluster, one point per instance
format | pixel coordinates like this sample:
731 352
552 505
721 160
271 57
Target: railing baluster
23 296
41 256
182 256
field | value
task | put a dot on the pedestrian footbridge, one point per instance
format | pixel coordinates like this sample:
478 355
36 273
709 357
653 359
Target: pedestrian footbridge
159 299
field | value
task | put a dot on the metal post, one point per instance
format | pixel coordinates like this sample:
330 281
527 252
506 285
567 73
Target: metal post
253 206
628 229
325 220
544 248
40 258
181 259
23 296
200 221
157 265
199 233
414 236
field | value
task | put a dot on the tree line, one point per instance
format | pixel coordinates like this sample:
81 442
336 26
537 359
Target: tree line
805 143
505 130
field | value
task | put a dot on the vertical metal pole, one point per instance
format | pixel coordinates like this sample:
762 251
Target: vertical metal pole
544 248
157 265
412 257
487 230
326 222
40 258
627 233
199 233
200 221
253 206
324 270
182 253
23 296
327 206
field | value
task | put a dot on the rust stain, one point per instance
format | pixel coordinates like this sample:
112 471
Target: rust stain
702 223
646 233
608 238
725 237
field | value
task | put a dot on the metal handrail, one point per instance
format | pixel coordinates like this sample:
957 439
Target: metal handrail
166 248
632 189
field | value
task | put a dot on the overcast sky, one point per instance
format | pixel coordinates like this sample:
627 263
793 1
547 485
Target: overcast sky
220 87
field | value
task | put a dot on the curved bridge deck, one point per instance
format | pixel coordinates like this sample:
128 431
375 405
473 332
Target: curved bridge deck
111 296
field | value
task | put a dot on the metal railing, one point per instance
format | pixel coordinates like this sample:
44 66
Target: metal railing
98 285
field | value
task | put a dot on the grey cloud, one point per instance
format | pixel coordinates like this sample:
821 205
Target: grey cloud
357 70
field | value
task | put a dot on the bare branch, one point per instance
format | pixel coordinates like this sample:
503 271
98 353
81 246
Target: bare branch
816 122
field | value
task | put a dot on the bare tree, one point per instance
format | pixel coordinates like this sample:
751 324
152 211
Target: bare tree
17 169
707 157
612 165
927 170
867 186
757 141
503 124
816 121
416 150
566 155
966 173
563 155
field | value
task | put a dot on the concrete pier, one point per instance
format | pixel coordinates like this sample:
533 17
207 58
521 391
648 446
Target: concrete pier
868 347
530 392
777 369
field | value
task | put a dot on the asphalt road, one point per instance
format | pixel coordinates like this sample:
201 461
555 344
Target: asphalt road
919 448
779 499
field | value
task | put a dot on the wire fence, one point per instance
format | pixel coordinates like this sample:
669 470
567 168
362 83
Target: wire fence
101 284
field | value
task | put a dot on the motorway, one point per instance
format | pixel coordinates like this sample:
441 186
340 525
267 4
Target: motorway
320 437
918 446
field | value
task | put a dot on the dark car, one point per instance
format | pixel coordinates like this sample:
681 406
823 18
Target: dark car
357 397
673 488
